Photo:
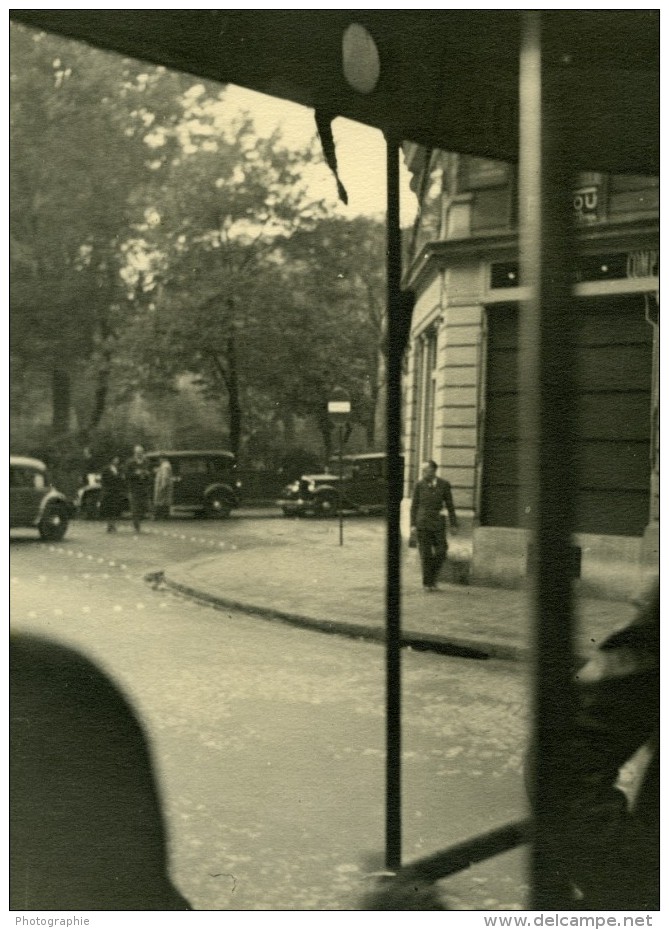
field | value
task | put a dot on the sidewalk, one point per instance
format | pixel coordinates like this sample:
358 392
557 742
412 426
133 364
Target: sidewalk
341 589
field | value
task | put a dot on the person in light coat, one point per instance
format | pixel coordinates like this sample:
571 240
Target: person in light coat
163 484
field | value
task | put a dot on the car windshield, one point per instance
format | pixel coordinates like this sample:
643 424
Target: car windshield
364 468
26 478
348 469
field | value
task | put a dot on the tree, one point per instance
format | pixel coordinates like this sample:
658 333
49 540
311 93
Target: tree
154 237
78 121
338 269
219 210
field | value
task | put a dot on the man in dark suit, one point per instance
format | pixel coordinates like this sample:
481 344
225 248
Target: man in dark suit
137 476
428 524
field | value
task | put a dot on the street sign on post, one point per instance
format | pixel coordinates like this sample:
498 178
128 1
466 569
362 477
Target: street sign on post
339 407
339 411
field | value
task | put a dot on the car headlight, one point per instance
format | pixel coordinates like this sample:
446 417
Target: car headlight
294 487
311 487
238 484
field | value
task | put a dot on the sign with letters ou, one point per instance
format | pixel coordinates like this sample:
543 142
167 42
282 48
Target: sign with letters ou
586 201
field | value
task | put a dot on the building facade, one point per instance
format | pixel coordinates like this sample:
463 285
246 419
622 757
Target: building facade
462 384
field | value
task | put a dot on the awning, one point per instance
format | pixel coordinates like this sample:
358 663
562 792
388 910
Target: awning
447 79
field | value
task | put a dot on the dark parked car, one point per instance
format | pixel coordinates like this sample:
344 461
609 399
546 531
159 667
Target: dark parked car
204 482
34 502
364 487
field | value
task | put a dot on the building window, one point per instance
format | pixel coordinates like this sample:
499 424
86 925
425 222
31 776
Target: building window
427 393
480 173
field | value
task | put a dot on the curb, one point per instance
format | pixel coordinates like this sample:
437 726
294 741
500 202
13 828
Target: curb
420 642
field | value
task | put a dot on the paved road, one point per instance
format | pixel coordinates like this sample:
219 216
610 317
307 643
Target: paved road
269 740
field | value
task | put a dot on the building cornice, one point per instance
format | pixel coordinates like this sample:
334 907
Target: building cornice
624 236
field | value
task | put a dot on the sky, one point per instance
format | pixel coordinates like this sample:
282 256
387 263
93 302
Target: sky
361 154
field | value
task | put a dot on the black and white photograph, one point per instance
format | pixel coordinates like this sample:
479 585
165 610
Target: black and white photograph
333 400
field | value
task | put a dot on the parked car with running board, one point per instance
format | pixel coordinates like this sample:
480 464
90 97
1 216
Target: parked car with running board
33 500
204 482
363 485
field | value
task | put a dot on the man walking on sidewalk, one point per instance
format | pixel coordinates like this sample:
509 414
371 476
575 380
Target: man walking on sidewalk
428 523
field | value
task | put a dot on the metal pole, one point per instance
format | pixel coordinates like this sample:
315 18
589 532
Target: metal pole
548 443
341 479
395 488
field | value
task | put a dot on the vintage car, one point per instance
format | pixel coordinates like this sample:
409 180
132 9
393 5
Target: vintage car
34 502
363 488
204 482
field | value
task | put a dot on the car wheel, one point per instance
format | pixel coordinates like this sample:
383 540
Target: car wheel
90 506
326 505
53 525
218 506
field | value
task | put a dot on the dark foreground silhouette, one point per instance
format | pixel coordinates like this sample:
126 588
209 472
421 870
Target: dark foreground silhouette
86 827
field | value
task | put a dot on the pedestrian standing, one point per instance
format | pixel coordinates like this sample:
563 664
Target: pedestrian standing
113 493
163 483
428 524
88 465
138 482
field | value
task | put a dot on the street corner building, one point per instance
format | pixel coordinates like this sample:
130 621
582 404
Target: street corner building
461 390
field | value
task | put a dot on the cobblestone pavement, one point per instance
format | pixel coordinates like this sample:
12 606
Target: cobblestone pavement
269 740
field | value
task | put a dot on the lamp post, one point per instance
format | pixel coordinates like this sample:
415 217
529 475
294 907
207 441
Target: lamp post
339 410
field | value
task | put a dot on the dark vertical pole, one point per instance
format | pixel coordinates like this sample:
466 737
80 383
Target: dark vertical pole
547 446
393 540
341 480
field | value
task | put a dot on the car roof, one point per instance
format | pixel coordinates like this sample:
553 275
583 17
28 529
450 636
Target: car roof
192 453
365 456
26 462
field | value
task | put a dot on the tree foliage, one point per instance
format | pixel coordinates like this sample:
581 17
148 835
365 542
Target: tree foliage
156 237
78 118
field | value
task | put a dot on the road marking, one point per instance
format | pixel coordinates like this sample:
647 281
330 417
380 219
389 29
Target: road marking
117 608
